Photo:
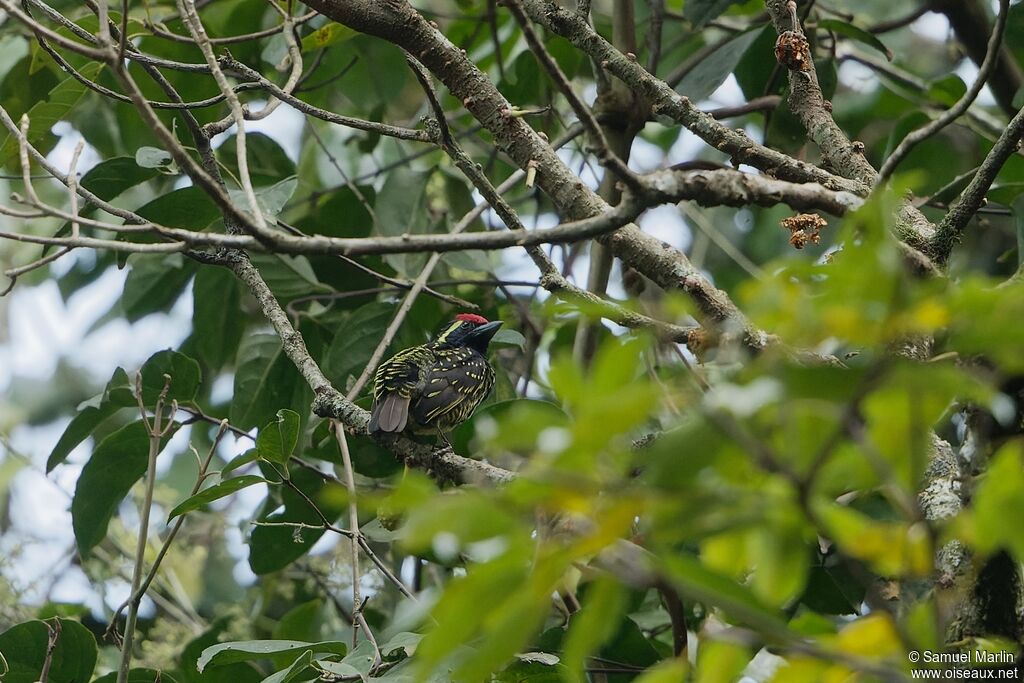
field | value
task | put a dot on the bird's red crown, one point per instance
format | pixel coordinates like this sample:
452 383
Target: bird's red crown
472 318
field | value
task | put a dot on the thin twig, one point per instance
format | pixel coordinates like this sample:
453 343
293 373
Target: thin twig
353 524
204 466
53 629
157 431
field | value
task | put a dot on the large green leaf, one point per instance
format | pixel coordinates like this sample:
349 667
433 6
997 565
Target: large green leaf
847 29
265 381
91 414
998 499
110 178
154 284
276 650
45 114
216 492
217 318
700 583
268 162
712 71
603 606
188 207
355 341
287 276
139 675
240 672
24 648
327 35
117 463
271 199
184 374
700 12
400 208
277 441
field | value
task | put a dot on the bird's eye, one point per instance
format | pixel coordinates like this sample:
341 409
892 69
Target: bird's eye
465 326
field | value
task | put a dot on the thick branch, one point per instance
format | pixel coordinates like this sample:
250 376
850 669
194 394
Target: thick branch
397 22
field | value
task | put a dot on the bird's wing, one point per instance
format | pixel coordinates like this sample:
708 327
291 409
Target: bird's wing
440 396
402 372
455 383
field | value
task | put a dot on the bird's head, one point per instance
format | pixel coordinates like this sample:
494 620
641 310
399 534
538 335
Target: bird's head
469 329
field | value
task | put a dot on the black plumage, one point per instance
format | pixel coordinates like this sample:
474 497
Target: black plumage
434 387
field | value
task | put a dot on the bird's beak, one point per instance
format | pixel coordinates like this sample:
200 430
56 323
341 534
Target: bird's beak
482 335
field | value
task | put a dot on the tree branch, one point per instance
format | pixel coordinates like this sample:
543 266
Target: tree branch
951 228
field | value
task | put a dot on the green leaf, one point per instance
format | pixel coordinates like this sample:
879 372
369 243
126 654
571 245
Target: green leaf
400 209
698 582
603 606
108 179
344 213
700 12
509 337
947 89
356 340
1018 217
217 320
183 371
117 395
265 381
155 158
297 667
154 284
891 548
348 672
832 588
327 35
117 463
239 461
45 114
287 276
140 675
188 207
271 199
301 622
401 645
360 659
268 162
206 496
248 650
277 441
721 661
24 649
239 672
856 33
712 71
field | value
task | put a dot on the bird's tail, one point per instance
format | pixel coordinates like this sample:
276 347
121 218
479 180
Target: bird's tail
389 414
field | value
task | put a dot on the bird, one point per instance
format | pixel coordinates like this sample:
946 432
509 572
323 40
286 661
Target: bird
436 386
